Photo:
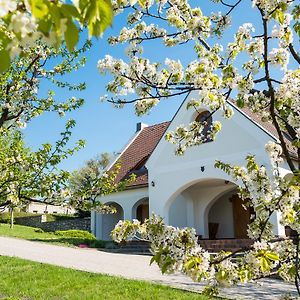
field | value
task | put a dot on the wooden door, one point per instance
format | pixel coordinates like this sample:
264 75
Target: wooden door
142 212
241 218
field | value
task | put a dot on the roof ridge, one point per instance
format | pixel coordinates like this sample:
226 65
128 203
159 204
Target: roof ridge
161 123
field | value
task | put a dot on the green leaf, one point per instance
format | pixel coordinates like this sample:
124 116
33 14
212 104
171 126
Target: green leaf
240 101
70 11
44 26
97 14
71 35
264 264
39 9
5 60
272 256
297 28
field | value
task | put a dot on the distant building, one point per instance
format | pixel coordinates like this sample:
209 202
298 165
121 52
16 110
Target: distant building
42 208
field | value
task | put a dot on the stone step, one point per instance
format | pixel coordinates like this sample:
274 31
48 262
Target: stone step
213 246
225 244
135 247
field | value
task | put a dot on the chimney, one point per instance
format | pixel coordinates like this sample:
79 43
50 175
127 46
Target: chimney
140 126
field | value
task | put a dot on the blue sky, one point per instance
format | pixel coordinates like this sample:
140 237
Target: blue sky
105 128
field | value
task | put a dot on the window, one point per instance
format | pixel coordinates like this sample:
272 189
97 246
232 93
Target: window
140 167
205 118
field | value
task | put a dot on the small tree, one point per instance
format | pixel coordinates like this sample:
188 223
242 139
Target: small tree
27 176
88 184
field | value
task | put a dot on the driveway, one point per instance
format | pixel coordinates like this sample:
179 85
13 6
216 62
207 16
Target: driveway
129 266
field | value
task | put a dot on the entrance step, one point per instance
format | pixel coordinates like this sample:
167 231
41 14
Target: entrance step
225 244
142 247
135 247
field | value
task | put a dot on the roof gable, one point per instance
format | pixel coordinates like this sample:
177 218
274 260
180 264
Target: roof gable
134 157
145 143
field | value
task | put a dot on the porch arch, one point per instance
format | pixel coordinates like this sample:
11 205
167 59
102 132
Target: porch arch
184 187
190 204
109 221
140 209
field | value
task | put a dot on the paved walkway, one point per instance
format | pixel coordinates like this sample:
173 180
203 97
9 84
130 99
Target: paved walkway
129 266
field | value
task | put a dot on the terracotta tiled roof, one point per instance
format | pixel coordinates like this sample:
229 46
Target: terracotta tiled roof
138 151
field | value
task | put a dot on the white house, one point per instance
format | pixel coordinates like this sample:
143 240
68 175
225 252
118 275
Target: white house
188 190
43 208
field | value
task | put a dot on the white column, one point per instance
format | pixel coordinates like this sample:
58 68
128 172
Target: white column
98 226
127 212
190 218
278 229
93 222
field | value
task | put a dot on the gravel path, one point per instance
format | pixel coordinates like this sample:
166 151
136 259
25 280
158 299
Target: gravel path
130 266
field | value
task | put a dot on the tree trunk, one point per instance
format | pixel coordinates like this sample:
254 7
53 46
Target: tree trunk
11 218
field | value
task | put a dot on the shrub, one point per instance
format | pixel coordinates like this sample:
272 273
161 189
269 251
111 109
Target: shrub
97 244
83 235
59 217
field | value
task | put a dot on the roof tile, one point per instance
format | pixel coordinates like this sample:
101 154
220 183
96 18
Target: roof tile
142 146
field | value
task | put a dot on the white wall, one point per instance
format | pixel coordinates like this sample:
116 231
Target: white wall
109 221
174 174
221 213
48 208
178 212
126 200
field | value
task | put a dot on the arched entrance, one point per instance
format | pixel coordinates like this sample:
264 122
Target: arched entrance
140 210
228 217
205 205
109 221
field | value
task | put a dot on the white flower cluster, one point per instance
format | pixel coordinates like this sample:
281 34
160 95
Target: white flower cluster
176 250
274 151
7 6
268 6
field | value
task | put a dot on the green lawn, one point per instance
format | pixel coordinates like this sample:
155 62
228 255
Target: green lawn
22 279
35 234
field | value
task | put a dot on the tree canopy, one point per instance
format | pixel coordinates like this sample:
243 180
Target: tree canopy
93 181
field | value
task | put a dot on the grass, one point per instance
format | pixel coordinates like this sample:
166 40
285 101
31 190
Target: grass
21 279
35 234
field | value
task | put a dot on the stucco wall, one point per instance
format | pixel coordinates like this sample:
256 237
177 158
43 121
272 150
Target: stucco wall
178 212
48 208
221 212
126 200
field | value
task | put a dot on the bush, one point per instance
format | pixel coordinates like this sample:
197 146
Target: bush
77 234
97 244
59 217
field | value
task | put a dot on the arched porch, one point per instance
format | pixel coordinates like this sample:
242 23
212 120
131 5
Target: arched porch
212 207
140 210
109 221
